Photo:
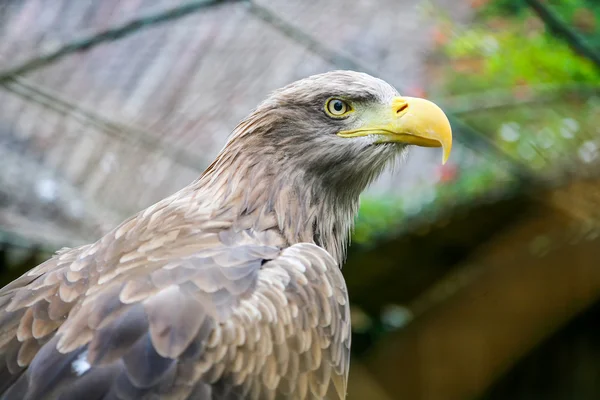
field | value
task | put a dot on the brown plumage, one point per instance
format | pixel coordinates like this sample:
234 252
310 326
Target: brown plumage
230 288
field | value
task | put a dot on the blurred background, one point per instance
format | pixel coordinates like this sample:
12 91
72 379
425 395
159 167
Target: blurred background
476 280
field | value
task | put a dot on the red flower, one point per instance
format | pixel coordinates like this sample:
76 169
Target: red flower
478 3
521 89
416 91
447 173
440 36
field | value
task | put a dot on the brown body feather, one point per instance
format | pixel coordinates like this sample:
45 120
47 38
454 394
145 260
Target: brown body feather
177 303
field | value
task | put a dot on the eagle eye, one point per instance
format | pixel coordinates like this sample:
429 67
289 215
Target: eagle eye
337 108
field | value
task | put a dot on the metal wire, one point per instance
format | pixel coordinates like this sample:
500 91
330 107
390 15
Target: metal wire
87 42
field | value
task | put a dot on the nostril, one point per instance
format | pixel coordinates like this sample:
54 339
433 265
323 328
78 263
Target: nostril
401 108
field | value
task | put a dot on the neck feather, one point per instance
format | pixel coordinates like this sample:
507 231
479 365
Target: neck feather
262 192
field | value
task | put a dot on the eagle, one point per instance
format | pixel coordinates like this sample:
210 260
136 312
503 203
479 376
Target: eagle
230 288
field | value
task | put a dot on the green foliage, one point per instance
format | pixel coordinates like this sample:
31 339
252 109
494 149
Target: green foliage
582 15
514 8
509 46
519 55
512 58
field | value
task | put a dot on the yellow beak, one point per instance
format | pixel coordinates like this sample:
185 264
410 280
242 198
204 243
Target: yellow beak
409 120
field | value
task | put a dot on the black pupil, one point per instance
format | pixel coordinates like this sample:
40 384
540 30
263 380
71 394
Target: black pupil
338 105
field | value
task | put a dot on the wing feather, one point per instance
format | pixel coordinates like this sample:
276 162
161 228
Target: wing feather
239 319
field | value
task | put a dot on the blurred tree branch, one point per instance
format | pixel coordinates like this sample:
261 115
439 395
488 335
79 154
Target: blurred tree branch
562 30
114 33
